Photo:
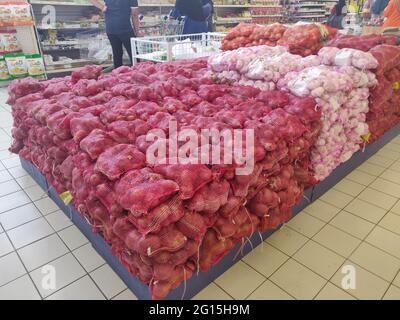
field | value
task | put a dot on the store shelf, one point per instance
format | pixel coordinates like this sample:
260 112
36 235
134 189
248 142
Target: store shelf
151 5
267 16
60 3
308 17
70 28
65 70
310 11
309 5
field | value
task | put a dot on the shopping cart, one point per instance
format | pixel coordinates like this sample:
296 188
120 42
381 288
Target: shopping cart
170 26
175 47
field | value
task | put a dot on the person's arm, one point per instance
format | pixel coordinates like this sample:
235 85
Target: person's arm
99 4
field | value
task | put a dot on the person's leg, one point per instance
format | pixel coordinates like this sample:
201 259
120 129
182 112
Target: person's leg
116 45
126 40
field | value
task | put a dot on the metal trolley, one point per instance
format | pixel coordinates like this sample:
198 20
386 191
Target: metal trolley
175 47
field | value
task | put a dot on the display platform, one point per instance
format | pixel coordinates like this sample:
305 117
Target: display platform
199 281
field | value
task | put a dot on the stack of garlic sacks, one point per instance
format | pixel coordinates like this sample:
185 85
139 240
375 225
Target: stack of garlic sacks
339 80
87 135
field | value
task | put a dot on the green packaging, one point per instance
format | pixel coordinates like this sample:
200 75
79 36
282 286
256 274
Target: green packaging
34 63
16 65
4 75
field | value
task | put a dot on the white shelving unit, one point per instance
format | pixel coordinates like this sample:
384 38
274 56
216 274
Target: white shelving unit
27 39
69 29
309 10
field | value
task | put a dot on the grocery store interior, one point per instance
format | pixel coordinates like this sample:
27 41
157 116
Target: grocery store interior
90 209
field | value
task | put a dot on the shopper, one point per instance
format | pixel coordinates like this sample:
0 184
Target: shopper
378 6
392 14
122 23
338 12
197 14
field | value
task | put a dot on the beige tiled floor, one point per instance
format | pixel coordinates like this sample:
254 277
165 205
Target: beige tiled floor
357 223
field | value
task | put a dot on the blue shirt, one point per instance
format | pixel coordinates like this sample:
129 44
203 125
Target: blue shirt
118 16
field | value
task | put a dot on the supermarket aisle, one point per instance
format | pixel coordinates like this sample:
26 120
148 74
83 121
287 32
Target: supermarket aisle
357 223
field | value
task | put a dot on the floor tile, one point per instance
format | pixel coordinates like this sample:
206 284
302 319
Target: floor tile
377 198
9 187
365 210
41 252
322 210
46 205
332 292
337 240
396 208
385 240
10 268
367 285
15 217
5 245
387 187
376 261
297 280
396 281
395 166
393 293
240 280
336 198
352 224
349 187
269 291
72 237
380 161
17 172
5 154
108 281
391 221
19 289
265 259
58 220
391 175
389 154
211 292
35 193
11 162
26 182
66 268
287 240
371 169
305 224
13 200
30 232
82 289
319 259
88 257
5 176
128 295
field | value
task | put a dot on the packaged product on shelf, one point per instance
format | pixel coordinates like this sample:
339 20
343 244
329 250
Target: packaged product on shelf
5 14
4 75
16 64
15 14
34 63
9 42
21 13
